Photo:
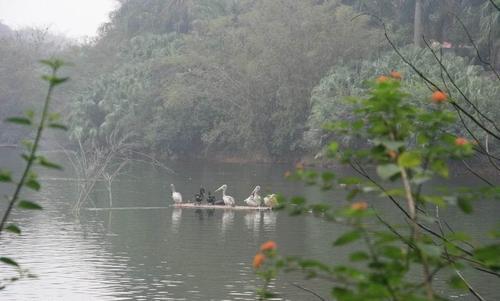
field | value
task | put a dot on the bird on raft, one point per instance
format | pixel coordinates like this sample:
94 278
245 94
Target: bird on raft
254 200
228 200
200 196
210 198
176 196
271 200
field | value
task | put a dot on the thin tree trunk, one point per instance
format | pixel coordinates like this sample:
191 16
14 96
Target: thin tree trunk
418 25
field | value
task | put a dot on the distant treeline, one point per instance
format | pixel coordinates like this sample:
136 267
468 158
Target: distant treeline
249 78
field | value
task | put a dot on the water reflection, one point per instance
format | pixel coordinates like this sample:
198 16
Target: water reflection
270 220
199 213
252 221
227 220
176 219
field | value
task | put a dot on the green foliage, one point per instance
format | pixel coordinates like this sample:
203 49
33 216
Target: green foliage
234 83
352 80
29 178
348 238
387 254
28 205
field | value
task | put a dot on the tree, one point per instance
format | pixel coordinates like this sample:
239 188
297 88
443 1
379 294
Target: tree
408 146
418 27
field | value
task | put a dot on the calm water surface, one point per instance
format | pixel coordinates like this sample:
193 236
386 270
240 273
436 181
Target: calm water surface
181 254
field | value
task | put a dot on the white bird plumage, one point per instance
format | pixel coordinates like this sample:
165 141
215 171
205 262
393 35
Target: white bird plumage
228 200
271 200
254 199
176 196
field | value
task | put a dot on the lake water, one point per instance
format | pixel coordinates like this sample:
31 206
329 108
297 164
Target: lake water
182 254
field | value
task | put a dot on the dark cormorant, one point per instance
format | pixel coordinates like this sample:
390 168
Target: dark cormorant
200 196
210 199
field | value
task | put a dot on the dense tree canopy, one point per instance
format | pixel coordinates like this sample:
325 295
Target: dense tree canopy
238 82
349 80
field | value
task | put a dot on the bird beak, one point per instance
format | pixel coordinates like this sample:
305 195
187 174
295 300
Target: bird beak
218 189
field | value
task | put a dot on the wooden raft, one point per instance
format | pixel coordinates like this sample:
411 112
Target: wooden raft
206 206
184 205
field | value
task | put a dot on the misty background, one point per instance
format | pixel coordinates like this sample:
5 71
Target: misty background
234 80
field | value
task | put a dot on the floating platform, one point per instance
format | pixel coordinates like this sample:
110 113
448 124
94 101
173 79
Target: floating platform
126 208
206 206
184 205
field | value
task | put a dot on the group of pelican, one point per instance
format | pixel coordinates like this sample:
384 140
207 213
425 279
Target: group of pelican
254 200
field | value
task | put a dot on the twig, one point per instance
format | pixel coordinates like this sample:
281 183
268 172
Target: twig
307 290
495 5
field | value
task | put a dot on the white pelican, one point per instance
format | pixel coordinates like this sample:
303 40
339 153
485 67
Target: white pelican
271 200
176 196
228 200
254 199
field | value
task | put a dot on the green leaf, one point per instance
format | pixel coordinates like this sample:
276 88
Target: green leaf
342 294
441 168
393 252
5 175
58 126
409 159
457 235
8 261
54 80
359 256
46 163
33 184
347 238
19 120
434 199
422 138
387 171
299 201
320 208
53 63
327 176
490 255
333 147
395 192
465 205
13 228
29 205
349 181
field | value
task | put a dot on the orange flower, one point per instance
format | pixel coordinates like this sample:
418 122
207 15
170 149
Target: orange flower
359 206
268 246
461 141
382 79
287 174
396 75
258 260
439 97
393 154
